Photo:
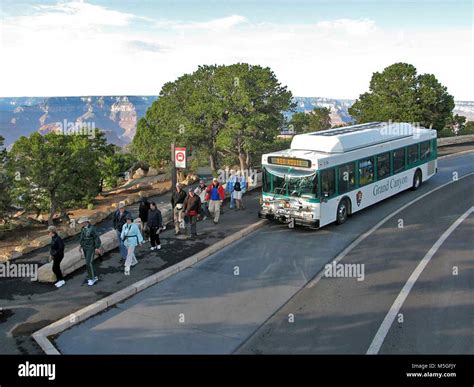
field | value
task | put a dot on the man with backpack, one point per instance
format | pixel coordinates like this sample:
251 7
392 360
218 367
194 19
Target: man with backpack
215 195
240 187
177 200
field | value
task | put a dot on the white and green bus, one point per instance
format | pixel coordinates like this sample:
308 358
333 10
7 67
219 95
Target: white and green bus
326 176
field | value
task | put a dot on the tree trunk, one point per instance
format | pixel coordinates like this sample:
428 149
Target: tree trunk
243 162
212 162
247 159
52 210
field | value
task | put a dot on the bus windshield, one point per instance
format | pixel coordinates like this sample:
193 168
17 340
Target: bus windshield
288 181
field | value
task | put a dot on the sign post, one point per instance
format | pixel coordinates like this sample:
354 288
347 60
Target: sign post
173 167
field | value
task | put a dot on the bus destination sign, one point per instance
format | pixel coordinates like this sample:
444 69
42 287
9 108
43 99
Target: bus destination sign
289 161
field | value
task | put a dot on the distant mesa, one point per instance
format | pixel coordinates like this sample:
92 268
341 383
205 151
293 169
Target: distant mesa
117 116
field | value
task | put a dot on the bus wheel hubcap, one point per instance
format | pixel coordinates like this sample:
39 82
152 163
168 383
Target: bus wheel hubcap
342 212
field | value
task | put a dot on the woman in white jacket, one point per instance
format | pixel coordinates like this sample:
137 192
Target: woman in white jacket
131 237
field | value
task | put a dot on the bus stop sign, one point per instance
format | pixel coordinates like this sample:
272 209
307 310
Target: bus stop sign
180 157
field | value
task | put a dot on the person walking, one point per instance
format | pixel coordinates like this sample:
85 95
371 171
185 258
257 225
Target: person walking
143 212
240 188
177 200
57 254
191 209
89 245
132 237
155 225
215 195
201 192
119 220
237 195
229 187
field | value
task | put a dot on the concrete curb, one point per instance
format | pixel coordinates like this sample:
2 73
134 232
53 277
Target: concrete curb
42 336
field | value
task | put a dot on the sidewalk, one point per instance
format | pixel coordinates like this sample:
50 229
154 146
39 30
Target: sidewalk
28 306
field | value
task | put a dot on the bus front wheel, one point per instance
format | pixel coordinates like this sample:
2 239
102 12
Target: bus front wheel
342 211
416 180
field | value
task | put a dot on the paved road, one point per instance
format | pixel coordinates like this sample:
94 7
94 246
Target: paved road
27 306
208 308
342 315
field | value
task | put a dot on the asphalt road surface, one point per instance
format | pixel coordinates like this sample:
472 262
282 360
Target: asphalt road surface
260 295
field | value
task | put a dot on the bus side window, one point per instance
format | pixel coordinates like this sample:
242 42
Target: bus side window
366 171
412 154
398 156
425 150
383 165
328 182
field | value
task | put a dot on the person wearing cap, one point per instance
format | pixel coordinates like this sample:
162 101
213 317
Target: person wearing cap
131 237
191 209
177 199
89 245
119 221
201 192
57 254
215 194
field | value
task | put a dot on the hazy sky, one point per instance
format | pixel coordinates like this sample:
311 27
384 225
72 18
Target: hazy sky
316 48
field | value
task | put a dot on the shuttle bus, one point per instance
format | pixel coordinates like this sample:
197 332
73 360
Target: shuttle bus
327 176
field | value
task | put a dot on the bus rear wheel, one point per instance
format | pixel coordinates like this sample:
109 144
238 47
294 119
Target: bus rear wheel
416 180
342 211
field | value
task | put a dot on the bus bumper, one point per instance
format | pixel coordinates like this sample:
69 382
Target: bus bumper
287 218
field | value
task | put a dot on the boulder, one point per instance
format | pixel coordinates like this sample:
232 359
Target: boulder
24 249
152 172
41 241
138 173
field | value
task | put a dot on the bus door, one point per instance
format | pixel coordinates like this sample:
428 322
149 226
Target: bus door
328 195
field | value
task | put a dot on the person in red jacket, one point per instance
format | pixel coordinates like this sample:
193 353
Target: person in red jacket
215 195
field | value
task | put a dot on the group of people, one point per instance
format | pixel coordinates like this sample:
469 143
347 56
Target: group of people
197 204
205 201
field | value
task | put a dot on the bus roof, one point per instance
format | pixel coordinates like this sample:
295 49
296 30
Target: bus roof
354 137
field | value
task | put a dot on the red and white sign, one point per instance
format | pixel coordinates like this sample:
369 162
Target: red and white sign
180 157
